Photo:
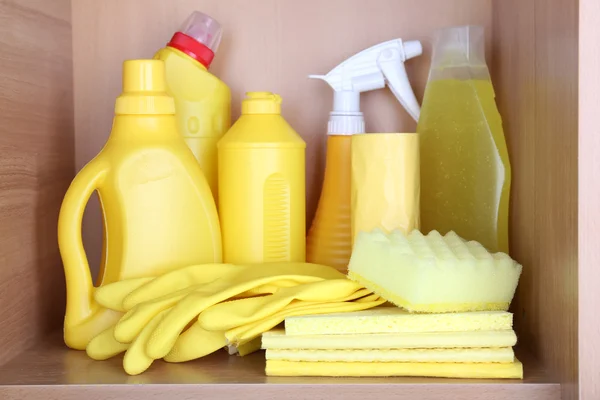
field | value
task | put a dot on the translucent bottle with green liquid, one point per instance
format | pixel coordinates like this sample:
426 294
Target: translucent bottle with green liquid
465 168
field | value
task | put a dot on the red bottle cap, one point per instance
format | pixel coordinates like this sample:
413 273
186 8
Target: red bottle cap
192 48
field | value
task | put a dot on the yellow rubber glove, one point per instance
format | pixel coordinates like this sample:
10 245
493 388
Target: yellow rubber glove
111 296
194 343
228 315
104 345
132 323
136 361
180 279
269 288
246 333
166 333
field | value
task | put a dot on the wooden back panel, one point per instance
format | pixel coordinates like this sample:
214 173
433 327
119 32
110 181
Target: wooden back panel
36 166
589 199
535 70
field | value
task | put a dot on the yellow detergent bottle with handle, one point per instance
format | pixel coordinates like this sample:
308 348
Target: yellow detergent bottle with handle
262 186
202 101
158 211
465 168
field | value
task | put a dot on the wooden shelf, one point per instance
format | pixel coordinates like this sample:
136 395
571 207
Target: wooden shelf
51 371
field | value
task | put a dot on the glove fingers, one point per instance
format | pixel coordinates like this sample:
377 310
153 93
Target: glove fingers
269 288
111 296
136 360
167 332
370 298
245 311
104 345
180 279
358 294
195 343
294 269
132 323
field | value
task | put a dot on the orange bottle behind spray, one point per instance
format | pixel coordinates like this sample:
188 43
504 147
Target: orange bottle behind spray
329 239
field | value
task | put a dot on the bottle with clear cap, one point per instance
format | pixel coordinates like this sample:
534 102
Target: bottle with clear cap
262 185
202 101
465 168
158 211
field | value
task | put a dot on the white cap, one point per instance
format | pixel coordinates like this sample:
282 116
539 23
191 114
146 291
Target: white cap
369 70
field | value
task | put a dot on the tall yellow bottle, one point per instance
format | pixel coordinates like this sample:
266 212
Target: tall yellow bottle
262 185
159 214
465 169
202 101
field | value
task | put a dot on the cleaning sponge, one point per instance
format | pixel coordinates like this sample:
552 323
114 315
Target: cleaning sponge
433 273
512 370
396 320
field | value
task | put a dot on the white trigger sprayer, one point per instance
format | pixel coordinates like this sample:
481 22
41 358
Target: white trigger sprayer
370 69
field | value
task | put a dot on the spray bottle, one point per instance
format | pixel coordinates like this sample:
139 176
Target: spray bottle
329 239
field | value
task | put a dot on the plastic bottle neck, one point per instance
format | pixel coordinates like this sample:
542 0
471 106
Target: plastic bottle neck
193 48
144 128
345 124
346 118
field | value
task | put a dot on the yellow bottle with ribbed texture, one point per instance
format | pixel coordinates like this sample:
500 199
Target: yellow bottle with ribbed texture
159 214
262 185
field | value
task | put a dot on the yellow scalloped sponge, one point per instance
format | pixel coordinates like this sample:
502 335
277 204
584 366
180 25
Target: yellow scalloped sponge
433 273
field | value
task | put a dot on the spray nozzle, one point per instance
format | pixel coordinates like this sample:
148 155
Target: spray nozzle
372 69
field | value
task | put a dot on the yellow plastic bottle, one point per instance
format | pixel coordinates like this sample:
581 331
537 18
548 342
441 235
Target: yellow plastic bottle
465 169
159 214
202 101
262 186
329 240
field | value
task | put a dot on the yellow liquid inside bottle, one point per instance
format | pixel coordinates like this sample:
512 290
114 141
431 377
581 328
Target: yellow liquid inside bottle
465 169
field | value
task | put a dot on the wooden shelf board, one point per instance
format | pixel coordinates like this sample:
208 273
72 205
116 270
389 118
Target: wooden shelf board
51 371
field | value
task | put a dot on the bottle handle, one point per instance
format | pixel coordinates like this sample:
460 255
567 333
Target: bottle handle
80 289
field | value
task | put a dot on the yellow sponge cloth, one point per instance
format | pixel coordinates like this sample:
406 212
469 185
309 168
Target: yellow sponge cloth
278 340
396 320
512 370
433 273
464 355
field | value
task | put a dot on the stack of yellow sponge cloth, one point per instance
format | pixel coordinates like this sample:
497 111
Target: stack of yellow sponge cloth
389 341
452 322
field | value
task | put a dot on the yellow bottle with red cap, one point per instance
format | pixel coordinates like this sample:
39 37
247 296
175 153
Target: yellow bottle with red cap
202 101
262 186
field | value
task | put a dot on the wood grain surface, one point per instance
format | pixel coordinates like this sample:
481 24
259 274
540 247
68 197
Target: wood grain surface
589 199
535 70
36 165
268 45
67 374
